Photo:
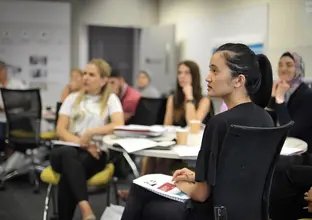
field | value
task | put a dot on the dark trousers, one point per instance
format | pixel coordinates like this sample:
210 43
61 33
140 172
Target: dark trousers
145 205
289 184
76 166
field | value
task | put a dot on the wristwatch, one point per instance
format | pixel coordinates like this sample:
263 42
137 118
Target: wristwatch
192 101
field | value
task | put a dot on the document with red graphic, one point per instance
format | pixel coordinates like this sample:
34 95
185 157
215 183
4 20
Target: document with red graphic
162 185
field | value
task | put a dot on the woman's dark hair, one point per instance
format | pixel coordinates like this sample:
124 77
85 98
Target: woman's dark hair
115 73
197 89
287 54
257 70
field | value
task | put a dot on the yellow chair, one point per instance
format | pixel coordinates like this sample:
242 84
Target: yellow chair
26 134
104 178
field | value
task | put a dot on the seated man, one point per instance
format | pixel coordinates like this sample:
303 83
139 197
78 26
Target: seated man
128 96
145 86
9 83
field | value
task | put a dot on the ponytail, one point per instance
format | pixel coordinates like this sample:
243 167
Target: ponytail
263 95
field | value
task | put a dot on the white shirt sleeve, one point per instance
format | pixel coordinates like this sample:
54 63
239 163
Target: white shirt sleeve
16 84
67 105
114 104
21 85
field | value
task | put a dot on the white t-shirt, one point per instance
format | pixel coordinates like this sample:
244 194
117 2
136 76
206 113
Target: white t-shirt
88 114
12 84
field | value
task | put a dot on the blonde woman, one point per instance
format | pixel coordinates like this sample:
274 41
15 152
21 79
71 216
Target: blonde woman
74 85
93 111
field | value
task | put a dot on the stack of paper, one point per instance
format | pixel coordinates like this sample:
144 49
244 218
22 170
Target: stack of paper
138 131
136 144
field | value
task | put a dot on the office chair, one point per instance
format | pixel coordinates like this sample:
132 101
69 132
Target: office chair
245 168
58 107
148 111
104 178
23 118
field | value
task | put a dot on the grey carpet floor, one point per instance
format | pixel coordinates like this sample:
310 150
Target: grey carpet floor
18 202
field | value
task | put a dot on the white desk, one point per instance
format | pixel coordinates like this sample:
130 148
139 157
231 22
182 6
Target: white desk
108 141
169 154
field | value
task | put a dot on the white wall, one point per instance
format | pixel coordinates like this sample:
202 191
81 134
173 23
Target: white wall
120 13
37 29
289 25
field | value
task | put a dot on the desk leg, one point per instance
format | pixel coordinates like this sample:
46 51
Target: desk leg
131 164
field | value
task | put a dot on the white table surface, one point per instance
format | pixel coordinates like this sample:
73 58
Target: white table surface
170 154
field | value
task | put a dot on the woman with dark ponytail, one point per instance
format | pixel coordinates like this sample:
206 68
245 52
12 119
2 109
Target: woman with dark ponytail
239 77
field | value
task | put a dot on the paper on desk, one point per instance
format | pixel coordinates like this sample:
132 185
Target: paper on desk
186 151
113 212
133 127
136 144
288 151
65 143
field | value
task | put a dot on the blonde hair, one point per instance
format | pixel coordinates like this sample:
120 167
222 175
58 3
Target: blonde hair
105 71
76 70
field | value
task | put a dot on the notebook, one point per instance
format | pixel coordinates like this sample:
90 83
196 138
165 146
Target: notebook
289 151
65 143
138 131
162 185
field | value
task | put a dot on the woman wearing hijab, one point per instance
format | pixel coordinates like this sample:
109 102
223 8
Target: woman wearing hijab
292 98
145 87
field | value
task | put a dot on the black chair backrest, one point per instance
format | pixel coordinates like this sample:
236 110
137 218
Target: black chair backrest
148 111
23 112
245 168
210 114
58 107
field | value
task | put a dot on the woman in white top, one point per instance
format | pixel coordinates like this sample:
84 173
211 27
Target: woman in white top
94 111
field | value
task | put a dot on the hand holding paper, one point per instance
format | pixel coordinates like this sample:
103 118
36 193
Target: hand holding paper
86 138
183 175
